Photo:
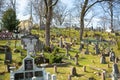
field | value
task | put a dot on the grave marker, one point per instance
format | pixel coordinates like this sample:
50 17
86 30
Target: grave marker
28 70
102 59
115 72
76 59
112 56
73 71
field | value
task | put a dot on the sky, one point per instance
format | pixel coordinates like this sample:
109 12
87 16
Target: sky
22 8
24 11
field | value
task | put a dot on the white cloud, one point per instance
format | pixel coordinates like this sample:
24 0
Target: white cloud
22 9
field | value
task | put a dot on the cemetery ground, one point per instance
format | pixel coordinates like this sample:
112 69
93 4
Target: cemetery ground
92 61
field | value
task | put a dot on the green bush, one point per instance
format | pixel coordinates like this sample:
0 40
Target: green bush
54 58
47 49
56 50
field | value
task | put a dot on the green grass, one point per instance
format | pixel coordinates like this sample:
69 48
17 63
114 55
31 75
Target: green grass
92 62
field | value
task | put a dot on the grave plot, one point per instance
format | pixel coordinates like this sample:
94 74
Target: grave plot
28 70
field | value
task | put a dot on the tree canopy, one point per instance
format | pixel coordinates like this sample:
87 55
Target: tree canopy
9 20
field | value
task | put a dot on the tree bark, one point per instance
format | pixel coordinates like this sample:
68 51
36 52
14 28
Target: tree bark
111 15
48 15
82 18
48 23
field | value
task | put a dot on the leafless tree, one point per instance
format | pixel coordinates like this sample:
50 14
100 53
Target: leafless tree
39 7
111 8
60 12
85 7
48 15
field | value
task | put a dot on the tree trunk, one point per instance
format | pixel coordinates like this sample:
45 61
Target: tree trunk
82 18
48 23
81 27
111 14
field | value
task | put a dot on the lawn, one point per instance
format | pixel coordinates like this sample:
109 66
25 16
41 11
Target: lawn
91 61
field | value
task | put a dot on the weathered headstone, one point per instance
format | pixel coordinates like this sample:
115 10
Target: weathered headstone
87 51
108 65
55 69
76 59
67 49
81 46
73 71
112 56
84 68
8 67
103 75
61 42
69 77
115 69
8 55
102 59
97 51
54 77
116 60
48 76
115 72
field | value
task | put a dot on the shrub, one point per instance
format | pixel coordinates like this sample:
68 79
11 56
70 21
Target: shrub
56 50
47 49
54 58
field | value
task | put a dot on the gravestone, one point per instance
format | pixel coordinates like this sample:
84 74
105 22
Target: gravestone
73 71
102 59
67 49
29 70
116 60
54 77
84 68
115 68
103 75
81 46
61 42
76 59
30 41
97 51
8 55
112 56
33 40
69 77
55 69
87 51
115 72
